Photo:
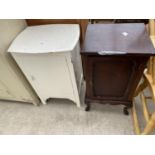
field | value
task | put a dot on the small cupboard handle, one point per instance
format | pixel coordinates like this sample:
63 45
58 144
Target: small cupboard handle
111 52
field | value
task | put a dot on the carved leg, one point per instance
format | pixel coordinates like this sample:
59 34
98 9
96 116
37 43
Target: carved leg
150 125
125 111
87 106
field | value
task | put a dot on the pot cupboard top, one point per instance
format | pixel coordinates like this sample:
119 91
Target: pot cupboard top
117 39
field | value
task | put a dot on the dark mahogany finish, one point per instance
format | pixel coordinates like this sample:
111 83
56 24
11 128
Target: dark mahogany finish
113 77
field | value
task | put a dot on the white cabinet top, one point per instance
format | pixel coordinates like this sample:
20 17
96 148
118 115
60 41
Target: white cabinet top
46 38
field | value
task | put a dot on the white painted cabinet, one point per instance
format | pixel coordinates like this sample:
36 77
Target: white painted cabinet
49 56
13 84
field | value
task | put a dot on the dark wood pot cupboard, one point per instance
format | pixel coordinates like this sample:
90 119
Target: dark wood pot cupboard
114 57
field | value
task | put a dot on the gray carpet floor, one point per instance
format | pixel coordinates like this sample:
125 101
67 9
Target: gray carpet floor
63 117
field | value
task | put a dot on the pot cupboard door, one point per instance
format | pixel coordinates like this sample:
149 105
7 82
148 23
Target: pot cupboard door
111 78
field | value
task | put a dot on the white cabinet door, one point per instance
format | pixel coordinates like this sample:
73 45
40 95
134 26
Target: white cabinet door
48 73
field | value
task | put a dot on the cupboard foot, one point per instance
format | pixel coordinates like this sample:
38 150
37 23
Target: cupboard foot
87 106
125 111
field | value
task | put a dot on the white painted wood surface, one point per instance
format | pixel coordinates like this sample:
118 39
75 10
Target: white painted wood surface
46 39
49 56
13 84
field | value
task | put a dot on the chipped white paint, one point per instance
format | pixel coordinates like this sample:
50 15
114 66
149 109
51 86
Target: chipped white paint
49 57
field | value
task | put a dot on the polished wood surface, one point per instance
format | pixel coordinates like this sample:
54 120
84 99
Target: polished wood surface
82 22
113 77
128 38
